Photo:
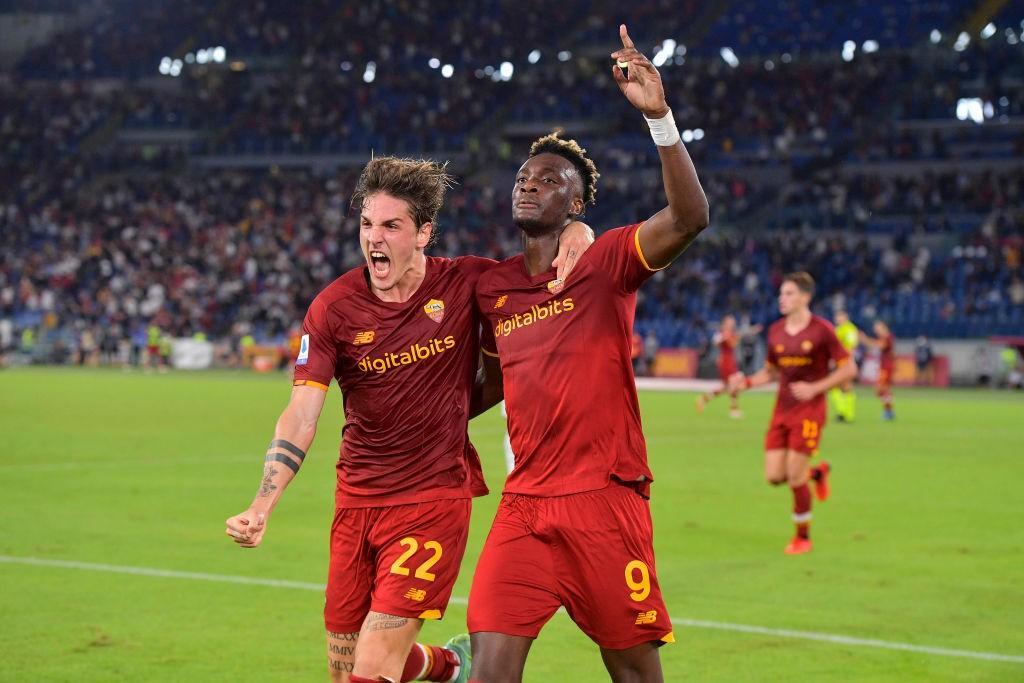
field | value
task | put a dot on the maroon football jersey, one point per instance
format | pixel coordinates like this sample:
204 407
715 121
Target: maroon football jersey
405 371
727 351
574 418
887 353
803 357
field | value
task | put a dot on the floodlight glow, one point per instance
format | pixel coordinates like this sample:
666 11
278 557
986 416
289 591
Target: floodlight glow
870 46
564 56
447 70
687 135
729 56
506 71
988 31
935 36
970 109
434 63
962 41
533 57
219 54
698 134
370 73
849 49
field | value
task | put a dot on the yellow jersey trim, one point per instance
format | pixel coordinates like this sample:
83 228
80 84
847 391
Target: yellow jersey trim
492 354
310 383
432 614
669 637
640 252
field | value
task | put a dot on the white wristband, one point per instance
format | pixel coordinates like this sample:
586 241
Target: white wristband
664 130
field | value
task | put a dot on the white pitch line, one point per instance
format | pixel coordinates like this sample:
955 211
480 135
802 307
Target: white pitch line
690 623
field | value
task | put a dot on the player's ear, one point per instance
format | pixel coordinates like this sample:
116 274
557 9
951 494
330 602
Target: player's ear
576 207
423 235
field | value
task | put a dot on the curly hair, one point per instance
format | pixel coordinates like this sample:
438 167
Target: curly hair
571 150
422 183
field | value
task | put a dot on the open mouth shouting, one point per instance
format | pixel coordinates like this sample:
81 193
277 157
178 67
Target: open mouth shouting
380 264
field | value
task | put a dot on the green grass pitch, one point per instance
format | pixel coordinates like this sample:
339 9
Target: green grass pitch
922 541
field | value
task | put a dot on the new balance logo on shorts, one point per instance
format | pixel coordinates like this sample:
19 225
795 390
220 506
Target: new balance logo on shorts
417 594
646 617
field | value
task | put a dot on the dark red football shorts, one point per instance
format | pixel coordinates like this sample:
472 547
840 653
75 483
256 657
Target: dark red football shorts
798 430
726 370
591 552
401 560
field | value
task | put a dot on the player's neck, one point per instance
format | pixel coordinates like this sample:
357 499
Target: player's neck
540 250
407 285
798 320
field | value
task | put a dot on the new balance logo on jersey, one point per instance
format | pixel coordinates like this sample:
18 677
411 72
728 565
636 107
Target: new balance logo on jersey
646 617
364 337
501 301
417 594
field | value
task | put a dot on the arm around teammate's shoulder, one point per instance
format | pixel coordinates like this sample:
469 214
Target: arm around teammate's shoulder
293 436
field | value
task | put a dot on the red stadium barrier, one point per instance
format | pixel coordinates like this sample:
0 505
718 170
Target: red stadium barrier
675 363
907 374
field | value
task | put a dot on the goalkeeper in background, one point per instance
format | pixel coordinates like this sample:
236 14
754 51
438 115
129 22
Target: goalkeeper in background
843 398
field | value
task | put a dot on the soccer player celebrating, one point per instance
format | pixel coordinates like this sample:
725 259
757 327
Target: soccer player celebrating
727 339
401 337
885 344
801 347
573 527
843 397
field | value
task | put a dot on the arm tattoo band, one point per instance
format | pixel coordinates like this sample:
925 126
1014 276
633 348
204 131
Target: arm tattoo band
290 447
277 457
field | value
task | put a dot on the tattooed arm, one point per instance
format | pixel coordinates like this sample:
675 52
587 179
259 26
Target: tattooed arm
292 437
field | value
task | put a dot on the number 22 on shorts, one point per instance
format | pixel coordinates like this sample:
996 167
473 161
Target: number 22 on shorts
638 579
423 571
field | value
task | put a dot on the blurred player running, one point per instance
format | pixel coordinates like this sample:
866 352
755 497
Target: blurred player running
573 527
727 339
843 397
401 337
884 342
800 348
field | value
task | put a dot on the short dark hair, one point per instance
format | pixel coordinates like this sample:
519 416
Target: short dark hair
803 281
571 150
422 183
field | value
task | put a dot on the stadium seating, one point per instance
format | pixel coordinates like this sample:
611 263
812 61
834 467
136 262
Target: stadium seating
892 172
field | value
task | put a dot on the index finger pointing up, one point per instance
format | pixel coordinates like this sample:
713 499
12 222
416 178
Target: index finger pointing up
624 35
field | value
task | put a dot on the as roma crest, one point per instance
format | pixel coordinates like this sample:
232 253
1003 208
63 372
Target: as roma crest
806 345
435 310
556 286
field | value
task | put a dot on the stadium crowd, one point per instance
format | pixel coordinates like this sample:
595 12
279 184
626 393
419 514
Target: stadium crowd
200 254
101 237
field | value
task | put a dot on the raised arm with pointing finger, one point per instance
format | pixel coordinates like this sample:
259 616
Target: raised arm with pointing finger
666 234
